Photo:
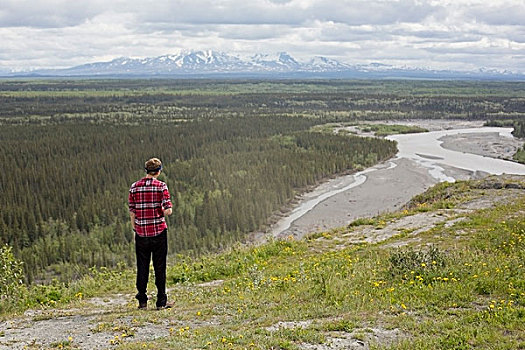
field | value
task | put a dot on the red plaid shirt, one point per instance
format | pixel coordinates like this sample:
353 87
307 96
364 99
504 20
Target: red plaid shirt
148 198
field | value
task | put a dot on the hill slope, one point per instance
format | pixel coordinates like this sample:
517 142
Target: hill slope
446 272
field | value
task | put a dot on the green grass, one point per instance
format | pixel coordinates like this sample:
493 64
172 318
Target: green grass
463 291
381 130
520 156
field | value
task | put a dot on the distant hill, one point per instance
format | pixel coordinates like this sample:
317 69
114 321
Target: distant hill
208 63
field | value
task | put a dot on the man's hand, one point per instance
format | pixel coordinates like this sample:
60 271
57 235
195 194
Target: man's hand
168 212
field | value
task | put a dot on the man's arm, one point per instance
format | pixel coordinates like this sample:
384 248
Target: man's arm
166 202
132 217
131 205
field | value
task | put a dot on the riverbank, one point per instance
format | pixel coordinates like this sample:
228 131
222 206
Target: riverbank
387 187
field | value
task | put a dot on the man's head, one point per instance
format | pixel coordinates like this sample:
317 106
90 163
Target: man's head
153 166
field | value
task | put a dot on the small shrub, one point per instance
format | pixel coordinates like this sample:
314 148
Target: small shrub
420 262
441 196
11 273
519 156
340 326
454 341
362 222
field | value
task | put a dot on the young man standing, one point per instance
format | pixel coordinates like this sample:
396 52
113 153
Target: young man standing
149 204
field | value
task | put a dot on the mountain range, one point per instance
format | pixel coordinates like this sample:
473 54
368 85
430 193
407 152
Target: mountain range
208 63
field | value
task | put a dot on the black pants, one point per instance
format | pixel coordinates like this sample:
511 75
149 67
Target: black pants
146 248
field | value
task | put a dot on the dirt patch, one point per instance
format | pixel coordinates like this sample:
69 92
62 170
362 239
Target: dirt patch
75 327
42 334
215 283
410 225
113 300
289 325
361 339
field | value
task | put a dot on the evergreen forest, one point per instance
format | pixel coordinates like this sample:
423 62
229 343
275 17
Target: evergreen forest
235 154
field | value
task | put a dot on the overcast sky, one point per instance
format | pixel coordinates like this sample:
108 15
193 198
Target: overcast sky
454 34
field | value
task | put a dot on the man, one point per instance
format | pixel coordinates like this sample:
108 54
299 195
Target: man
149 204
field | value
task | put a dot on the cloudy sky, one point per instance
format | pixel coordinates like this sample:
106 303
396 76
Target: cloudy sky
453 34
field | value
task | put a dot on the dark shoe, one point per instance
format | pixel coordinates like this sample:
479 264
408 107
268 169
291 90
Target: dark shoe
165 306
143 300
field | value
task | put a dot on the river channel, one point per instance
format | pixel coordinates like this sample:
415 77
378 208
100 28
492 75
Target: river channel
420 163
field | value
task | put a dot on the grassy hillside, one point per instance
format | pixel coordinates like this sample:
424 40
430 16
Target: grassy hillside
445 273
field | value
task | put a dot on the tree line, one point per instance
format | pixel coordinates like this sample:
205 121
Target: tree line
517 124
136 101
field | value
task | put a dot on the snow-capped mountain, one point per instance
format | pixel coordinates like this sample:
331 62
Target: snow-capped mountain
281 61
319 63
184 62
210 63
200 62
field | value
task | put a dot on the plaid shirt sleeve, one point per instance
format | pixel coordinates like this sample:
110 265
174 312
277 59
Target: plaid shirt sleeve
131 202
166 199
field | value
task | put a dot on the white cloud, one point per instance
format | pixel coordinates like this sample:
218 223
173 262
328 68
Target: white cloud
48 13
59 33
